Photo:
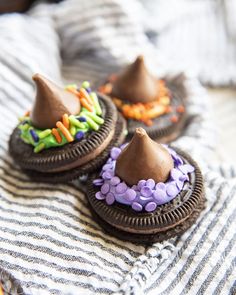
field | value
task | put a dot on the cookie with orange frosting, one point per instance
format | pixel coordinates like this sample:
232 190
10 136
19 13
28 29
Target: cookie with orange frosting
67 133
156 105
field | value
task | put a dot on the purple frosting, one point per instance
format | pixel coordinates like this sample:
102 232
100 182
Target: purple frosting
146 194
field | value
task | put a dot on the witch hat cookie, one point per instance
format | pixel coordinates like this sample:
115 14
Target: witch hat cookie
153 197
67 134
157 105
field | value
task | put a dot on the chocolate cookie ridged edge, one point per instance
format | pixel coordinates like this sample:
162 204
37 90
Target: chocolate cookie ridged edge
113 121
89 167
56 157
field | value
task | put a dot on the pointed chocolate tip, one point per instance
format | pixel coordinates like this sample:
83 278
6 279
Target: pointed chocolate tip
143 158
135 84
51 103
42 82
139 60
40 79
140 132
36 76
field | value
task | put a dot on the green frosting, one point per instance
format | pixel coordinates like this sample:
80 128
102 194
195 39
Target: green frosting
44 139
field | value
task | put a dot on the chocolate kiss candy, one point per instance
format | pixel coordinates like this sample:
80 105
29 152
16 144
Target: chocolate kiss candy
143 158
51 103
135 84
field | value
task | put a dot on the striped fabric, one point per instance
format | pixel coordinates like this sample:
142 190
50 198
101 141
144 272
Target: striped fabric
48 240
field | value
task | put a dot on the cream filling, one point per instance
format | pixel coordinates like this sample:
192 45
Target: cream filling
92 155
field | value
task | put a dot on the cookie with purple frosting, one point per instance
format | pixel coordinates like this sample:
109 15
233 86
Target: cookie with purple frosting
146 192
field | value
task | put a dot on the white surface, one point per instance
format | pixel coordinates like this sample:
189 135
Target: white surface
223 102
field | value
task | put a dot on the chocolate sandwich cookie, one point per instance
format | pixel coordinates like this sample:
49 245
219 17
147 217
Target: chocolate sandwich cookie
67 134
157 105
146 192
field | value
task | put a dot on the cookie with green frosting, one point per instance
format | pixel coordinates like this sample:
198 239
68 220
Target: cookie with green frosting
67 132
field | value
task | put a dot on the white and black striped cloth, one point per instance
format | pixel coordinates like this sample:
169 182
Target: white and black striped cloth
48 240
